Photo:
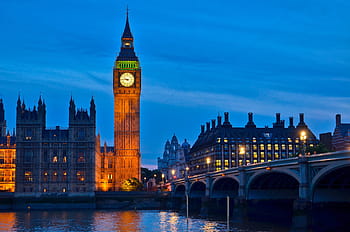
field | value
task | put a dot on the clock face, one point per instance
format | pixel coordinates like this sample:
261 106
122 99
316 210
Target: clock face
127 79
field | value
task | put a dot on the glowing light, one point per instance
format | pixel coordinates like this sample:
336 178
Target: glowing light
208 160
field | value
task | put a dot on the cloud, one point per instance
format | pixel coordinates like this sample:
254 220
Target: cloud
316 106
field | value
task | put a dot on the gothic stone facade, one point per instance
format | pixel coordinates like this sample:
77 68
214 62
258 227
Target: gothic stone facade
55 160
7 155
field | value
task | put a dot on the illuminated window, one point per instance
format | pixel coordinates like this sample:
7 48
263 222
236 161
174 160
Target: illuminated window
283 146
233 163
255 147
311 145
276 147
240 162
255 154
64 159
254 140
44 190
54 176
225 140
226 163
255 161
290 147
64 177
262 154
290 140
54 159
80 176
276 155
45 176
269 147
262 147
64 190
28 176
218 163
218 140
296 140
81 158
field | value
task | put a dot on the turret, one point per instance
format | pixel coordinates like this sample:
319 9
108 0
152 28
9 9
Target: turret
291 123
2 119
92 109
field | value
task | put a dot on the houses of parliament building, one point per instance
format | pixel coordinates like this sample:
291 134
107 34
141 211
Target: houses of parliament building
38 160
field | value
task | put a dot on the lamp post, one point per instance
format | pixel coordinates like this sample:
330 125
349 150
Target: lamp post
208 162
186 172
303 140
162 186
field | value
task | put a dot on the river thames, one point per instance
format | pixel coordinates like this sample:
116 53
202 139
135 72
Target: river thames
129 221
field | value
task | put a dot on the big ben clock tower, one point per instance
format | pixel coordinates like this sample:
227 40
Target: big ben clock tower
127 89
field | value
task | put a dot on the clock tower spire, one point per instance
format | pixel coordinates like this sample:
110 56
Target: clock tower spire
127 90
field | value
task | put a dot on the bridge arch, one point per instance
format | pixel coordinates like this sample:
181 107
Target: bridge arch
270 185
197 189
225 186
332 183
180 190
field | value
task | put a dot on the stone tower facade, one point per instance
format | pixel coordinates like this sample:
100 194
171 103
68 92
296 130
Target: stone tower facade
55 160
127 89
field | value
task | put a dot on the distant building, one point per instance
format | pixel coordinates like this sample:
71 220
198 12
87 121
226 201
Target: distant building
327 140
173 163
221 146
341 135
7 155
55 160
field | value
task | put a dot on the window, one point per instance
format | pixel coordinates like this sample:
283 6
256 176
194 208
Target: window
54 159
283 146
64 190
28 176
269 147
64 159
64 177
54 176
218 163
45 176
81 158
80 176
276 147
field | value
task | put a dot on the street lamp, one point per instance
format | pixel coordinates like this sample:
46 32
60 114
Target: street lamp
186 173
303 140
173 172
208 162
162 187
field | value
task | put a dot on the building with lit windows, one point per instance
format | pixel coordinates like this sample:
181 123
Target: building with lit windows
222 146
7 155
55 160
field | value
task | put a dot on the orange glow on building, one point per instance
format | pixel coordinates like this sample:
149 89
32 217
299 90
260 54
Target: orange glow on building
7 165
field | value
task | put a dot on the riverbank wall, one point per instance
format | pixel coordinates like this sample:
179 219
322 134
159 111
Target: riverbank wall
95 200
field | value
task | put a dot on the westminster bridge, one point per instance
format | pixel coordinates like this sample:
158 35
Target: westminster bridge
311 179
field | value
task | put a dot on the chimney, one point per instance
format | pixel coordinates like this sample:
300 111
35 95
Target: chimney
226 117
208 126
278 117
250 123
202 129
291 123
226 122
338 119
219 121
301 120
213 124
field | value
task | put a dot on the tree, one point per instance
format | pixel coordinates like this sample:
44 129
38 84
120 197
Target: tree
132 184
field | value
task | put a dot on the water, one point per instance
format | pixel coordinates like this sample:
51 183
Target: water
110 220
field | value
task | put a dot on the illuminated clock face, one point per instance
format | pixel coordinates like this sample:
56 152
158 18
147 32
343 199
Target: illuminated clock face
127 79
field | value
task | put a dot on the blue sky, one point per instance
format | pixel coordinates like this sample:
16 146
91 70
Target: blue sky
199 59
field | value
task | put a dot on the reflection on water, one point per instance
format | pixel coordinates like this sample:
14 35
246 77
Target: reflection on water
110 220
